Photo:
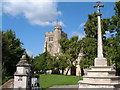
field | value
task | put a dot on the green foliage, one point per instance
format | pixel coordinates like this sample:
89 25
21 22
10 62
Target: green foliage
89 49
115 20
43 62
47 81
113 43
70 50
91 26
11 51
92 23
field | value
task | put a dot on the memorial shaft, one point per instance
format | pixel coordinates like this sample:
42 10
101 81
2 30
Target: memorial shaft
100 47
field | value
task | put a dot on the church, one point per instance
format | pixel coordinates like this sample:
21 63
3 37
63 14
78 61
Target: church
52 46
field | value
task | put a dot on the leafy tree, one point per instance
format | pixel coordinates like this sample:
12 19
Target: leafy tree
91 26
11 51
60 62
115 20
70 49
89 50
113 43
43 62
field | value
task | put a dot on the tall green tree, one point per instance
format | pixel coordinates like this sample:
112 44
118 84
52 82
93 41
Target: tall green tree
70 49
113 43
89 50
11 51
91 26
43 62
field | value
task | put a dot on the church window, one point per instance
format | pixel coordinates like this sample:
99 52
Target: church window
50 38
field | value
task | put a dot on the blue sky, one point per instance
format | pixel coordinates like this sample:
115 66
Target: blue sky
31 22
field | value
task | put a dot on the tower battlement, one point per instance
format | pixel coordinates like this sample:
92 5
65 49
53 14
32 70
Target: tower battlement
58 28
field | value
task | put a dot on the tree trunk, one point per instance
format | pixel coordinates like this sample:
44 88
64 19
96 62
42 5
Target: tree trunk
67 71
82 72
62 70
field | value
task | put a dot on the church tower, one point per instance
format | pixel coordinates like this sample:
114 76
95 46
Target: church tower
51 42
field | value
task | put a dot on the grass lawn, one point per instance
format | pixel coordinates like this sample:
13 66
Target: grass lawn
47 81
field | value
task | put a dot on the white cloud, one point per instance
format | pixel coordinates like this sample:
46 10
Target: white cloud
77 34
81 25
29 53
43 13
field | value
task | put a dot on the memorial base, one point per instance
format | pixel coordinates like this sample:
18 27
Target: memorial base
100 77
100 62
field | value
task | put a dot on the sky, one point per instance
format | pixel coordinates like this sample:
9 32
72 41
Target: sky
30 20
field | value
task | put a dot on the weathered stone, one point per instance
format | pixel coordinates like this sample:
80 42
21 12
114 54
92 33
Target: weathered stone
22 75
51 43
100 62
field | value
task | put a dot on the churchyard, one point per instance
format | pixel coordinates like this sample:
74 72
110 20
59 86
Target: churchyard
92 62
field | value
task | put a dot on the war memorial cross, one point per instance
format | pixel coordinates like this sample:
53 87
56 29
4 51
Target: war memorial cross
100 60
100 48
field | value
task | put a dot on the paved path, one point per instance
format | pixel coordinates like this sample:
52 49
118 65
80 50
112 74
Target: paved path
64 87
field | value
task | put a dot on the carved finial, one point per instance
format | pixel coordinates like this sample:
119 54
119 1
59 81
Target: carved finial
23 56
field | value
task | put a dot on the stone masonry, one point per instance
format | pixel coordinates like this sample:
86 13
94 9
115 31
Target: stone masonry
51 43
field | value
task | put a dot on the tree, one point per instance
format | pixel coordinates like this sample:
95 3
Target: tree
91 26
43 62
89 50
70 49
113 43
11 51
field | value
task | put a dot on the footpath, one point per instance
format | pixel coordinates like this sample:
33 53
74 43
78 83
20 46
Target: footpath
64 87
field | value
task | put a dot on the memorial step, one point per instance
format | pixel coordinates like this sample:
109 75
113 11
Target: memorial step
100 73
111 79
101 68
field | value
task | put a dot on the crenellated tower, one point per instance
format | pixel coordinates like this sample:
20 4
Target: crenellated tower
51 40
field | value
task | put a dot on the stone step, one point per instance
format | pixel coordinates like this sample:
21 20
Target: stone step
111 79
100 73
97 86
100 68
91 83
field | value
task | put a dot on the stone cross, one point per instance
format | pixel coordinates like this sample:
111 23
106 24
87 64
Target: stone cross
100 47
100 60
